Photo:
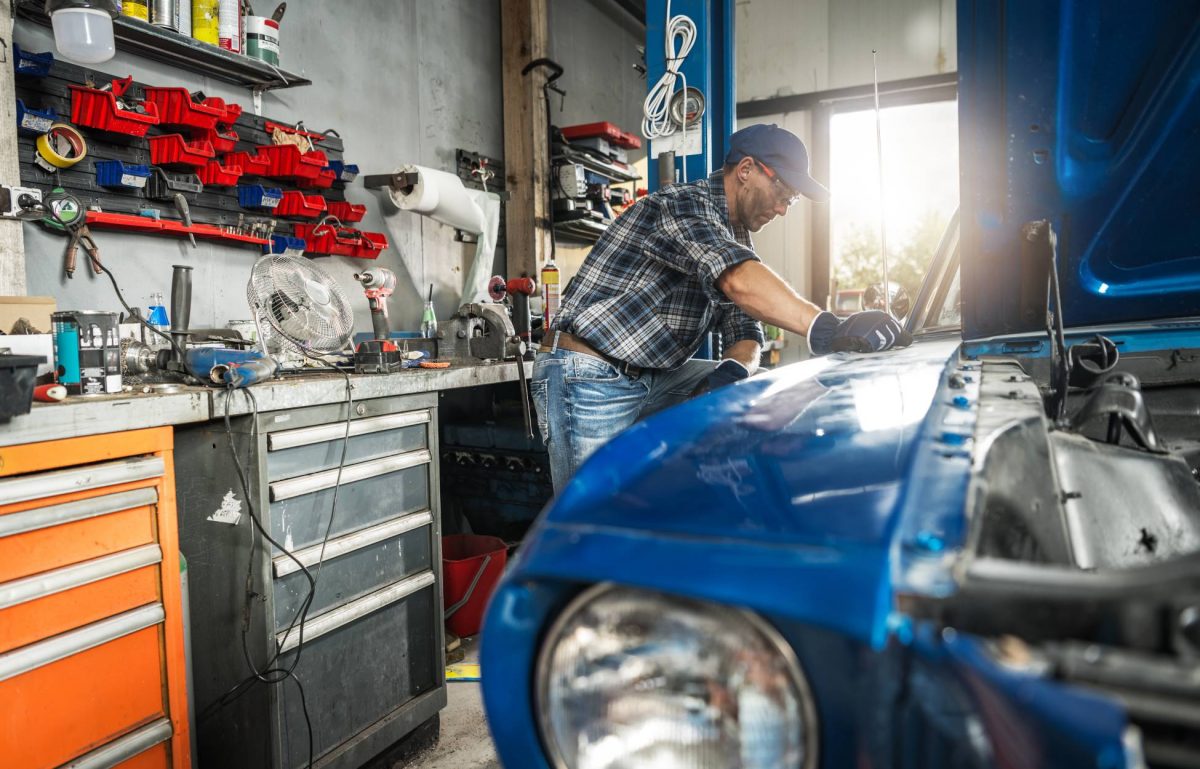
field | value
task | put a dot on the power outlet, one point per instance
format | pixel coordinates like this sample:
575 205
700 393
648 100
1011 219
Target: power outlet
16 200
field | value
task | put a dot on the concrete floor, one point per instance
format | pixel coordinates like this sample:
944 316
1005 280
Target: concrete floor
465 742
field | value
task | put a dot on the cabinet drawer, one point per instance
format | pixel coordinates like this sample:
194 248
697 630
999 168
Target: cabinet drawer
23 488
144 748
371 492
360 672
76 692
43 538
355 564
56 601
311 449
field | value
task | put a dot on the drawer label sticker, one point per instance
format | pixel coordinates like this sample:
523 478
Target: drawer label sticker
230 510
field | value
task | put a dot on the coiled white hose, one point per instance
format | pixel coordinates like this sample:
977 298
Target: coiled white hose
680 37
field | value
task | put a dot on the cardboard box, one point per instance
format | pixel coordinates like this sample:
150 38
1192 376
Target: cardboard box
36 308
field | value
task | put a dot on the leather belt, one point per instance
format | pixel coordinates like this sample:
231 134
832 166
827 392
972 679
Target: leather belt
573 343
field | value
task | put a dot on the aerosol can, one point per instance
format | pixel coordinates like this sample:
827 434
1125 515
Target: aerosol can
550 295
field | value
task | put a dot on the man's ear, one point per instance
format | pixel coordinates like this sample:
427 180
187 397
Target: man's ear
744 168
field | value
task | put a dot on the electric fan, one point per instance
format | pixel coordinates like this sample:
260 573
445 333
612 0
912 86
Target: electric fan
298 307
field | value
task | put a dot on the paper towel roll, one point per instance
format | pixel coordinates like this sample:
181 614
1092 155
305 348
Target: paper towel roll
440 196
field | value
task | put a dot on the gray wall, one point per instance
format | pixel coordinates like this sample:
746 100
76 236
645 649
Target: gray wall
401 81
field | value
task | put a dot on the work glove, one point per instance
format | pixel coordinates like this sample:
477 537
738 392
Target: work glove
727 372
867 331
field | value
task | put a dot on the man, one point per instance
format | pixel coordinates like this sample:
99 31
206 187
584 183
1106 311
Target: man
676 266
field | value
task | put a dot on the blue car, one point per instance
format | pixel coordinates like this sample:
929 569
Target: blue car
979 551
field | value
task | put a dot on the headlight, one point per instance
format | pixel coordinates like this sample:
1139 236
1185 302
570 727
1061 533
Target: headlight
629 679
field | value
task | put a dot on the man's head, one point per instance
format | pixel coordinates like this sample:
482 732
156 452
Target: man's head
766 171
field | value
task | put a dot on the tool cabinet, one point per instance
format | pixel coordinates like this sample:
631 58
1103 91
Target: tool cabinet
372 658
92 663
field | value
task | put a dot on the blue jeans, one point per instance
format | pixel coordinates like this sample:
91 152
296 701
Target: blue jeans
582 401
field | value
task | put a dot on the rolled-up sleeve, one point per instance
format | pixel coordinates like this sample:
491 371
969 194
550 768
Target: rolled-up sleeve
691 239
737 326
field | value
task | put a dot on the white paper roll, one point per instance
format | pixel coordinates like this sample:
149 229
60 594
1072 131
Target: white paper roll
440 196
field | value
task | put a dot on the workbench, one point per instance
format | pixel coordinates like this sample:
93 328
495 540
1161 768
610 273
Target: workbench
372 664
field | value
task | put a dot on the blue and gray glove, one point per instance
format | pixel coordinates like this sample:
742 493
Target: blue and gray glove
867 331
727 372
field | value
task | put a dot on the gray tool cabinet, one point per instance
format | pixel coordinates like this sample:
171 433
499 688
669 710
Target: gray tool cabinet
372 658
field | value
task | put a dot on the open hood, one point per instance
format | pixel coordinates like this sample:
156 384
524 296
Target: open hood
1086 114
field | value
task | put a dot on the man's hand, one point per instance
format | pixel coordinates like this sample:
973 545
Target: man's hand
868 331
727 372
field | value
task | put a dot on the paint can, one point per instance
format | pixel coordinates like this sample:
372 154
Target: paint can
165 14
262 39
136 9
204 21
229 34
87 351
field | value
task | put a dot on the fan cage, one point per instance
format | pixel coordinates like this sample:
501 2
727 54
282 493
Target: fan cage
298 306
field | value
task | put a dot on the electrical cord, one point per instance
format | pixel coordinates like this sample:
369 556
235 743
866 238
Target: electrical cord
656 109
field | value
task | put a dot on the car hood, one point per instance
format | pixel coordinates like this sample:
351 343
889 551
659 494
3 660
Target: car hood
1083 114
791 478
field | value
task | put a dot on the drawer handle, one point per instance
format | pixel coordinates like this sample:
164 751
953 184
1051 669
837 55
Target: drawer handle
347 613
40 585
79 479
125 748
59 647
303 436
348 543
68 512
327 479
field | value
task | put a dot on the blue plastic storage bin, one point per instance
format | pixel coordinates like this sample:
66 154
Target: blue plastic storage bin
257 196
121 175
284 244
32 64
34 121
346 172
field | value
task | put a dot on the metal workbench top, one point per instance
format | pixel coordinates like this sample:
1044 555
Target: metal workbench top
78 416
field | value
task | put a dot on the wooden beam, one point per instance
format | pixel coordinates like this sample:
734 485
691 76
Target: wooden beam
12 238
524 33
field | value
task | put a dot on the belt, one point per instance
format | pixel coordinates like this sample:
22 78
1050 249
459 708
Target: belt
565 341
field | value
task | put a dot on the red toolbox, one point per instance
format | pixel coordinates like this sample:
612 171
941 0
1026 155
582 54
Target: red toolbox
217 175
286 161
252 165
177 108
98 109
325 238
172 150
298 204
604 130
347 213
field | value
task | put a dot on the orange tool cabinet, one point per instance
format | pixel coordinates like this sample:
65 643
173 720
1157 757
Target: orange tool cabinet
92 665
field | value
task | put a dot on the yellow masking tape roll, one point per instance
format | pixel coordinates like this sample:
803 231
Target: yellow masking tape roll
48 146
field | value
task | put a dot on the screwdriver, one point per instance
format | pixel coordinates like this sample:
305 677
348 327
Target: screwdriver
186 214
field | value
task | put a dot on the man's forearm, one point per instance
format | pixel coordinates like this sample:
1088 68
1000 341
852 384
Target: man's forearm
766 297
746 352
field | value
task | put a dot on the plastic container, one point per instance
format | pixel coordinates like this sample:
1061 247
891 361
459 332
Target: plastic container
471 567
120 175
163 186
286 161
252 165
298 204
17 376
34 122
216 175
285 244
346 212
326 239
177 108
172 150
230 111
371 245
31 64
323 180
258 196
98 109
346 172
222 141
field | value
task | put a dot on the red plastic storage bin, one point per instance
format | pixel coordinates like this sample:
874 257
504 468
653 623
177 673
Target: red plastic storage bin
252 165
176 108
298 204
98 109
372 244
229 112
172 150
217 175
347 213
472 565
222 141
323 180
327 239
286 161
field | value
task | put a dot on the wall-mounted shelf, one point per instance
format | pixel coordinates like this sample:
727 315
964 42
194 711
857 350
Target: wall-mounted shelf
184 52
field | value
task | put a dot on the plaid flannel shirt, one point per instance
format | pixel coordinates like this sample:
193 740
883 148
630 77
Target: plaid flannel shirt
646 294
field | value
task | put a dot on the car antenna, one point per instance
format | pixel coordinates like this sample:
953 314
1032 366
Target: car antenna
887 286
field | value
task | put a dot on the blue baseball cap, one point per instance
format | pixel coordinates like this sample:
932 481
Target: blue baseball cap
780 150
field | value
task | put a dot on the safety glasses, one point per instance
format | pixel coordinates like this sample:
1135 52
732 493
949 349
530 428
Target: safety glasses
783 193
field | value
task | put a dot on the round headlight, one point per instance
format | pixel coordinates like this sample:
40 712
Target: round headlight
630 679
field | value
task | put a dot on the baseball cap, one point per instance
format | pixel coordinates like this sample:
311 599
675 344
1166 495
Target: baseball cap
780 150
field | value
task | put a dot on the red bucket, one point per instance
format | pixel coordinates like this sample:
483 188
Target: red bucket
471 567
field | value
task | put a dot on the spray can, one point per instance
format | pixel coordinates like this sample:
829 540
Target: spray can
229 29
136 9
204 21
550 295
